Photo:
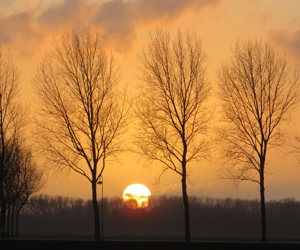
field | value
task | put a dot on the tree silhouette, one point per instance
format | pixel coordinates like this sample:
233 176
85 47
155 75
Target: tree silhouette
23 180
12 118
171 107
81 116
213 219
258 93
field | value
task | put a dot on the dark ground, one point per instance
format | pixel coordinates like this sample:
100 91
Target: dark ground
11 244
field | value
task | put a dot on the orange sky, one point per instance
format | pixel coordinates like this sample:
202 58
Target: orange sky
27 27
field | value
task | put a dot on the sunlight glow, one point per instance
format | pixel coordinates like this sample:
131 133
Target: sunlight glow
136 196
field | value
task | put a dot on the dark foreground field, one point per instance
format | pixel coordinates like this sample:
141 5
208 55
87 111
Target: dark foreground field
156 245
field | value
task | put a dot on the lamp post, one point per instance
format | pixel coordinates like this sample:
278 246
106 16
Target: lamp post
100 182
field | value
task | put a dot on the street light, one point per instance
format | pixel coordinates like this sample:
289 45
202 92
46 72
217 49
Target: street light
100 182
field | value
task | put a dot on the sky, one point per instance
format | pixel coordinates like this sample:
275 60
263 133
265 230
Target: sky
28 27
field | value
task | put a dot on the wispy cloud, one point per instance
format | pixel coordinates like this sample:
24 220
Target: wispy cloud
15 25
18 31
72 13
290 41
118 20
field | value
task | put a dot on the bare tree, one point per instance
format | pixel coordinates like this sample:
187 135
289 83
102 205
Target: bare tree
11 124
23 179
171 107
81 116
258 93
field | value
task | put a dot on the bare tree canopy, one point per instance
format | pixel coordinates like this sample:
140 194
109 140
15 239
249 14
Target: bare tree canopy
171 107
258 92
12 115
9 124
81 115
18 177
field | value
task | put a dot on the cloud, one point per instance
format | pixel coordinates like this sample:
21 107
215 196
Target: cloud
68 12
288 40
118 20
8 7
16 25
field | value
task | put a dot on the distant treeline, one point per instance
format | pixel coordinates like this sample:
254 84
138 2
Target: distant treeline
211 219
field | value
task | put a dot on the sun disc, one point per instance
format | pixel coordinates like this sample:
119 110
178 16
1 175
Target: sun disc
136 196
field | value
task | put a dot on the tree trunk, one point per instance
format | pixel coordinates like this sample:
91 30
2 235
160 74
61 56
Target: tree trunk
186 208
263 208
17 223
17 219
96 211
12 221
2 219
8 220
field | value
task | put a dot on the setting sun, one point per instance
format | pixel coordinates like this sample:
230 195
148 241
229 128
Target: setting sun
136 196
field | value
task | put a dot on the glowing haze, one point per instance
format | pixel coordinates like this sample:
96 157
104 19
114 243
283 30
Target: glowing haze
28 27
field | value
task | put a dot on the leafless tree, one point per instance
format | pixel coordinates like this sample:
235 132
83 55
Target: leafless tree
23 179
171 107
258 93
11 123
81 116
